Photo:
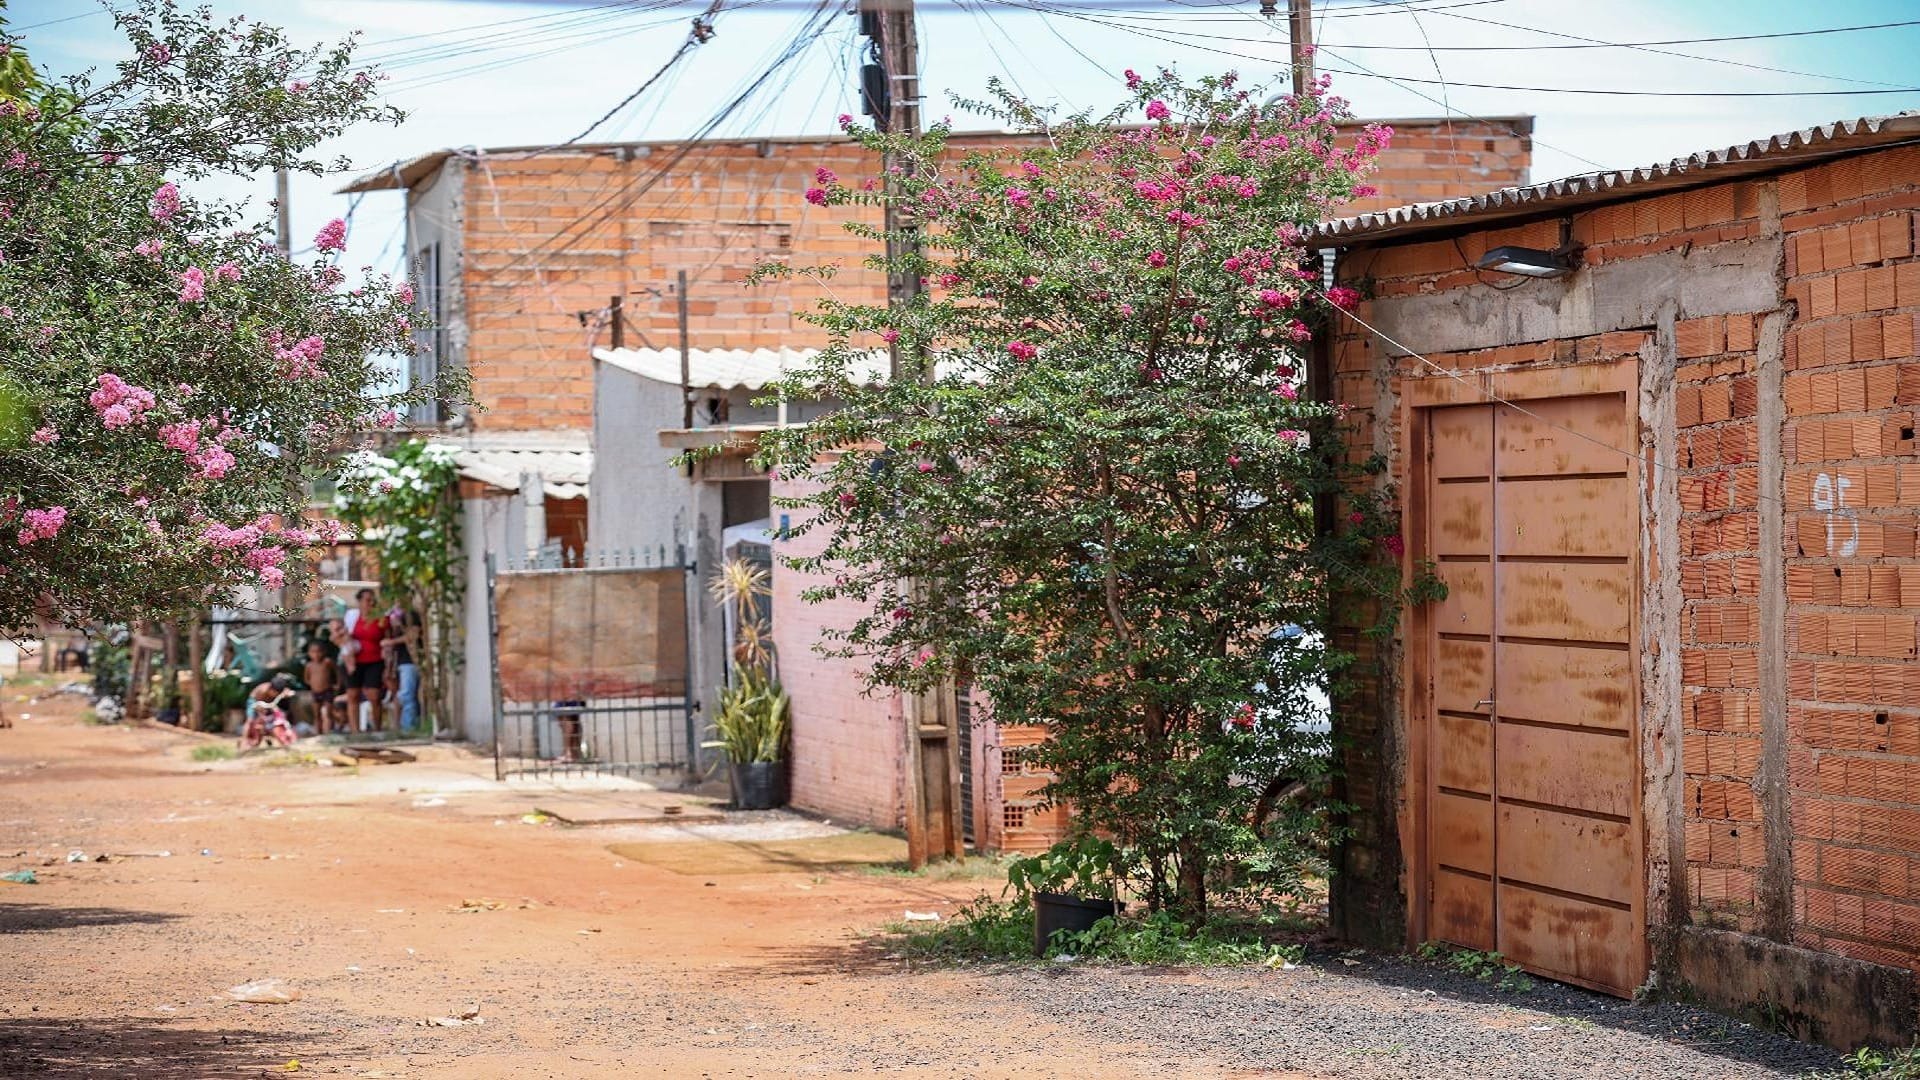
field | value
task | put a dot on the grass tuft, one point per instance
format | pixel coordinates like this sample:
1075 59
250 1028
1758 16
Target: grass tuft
213 752
996 930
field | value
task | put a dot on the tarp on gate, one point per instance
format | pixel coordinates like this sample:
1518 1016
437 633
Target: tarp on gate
582 634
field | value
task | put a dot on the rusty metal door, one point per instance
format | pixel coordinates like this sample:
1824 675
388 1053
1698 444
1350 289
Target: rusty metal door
1534 840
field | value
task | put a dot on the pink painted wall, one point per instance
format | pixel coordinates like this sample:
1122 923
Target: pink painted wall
849 750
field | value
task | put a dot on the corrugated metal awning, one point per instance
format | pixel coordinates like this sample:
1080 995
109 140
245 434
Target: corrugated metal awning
1760 156
724 369
564 471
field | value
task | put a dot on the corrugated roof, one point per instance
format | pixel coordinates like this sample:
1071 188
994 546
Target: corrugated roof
563 463
721 369
1707 167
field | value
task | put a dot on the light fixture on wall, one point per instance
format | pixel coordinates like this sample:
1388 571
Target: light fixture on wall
1528 262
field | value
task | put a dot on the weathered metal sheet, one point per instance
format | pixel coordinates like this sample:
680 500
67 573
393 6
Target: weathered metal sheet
1567 938
1582 770
1565 684
1582 517
1563 437
1568 852
1532 688
1572 601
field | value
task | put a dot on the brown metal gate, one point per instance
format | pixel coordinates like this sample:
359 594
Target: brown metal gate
1533 824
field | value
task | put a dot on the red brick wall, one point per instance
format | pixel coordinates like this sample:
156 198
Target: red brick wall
1850 500
531 266
1853 589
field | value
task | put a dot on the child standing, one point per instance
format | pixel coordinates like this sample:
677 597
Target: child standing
322 677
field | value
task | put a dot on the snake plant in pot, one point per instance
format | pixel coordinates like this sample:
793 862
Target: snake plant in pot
750 723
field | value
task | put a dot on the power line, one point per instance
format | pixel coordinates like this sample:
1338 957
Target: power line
603 210
1599 42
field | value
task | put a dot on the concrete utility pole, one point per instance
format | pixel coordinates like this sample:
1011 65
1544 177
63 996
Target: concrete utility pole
686 356
285 209
934 826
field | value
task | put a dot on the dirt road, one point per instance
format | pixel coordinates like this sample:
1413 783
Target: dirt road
349 885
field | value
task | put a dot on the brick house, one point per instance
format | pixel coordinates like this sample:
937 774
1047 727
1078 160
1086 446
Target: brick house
518 252
1665 728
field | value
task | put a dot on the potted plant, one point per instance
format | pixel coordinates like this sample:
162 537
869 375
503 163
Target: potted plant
1072 886
750 724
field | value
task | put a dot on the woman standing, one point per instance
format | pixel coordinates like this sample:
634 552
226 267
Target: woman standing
367 681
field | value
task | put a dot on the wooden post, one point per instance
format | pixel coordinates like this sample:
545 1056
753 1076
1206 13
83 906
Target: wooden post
196 677
1300 23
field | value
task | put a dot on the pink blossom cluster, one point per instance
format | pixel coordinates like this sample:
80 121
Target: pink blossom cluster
118 402
332 236
45 436
193 285
149 248
301 360
1023 350
165 202
42 524
1342 297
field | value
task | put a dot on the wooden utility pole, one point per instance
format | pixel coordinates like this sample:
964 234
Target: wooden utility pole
934 826
1300 23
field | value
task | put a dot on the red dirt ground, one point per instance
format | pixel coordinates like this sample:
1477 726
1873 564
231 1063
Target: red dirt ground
336 882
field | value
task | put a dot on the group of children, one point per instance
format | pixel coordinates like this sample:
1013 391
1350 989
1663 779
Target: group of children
365 659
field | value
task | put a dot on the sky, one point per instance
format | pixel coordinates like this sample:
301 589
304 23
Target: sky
496 73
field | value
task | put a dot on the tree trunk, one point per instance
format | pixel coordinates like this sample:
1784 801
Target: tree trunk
1191 900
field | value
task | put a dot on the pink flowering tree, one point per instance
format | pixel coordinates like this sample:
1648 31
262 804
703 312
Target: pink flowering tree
170 383
1105 483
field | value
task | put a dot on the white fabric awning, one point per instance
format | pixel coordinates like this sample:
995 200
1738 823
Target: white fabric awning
724 369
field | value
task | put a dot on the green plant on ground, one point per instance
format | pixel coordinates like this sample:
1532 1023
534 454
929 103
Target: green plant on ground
750 724
1002 930
971 868
1869 1063
213 752
1084 866
1487 967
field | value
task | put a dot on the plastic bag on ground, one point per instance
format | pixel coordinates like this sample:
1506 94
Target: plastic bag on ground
264 992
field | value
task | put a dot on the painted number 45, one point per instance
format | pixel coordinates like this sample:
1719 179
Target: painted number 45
1830 497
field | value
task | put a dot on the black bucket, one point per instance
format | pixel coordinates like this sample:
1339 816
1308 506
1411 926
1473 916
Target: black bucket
1054 912
759 785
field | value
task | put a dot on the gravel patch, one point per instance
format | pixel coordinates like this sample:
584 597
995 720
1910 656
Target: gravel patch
1388 1018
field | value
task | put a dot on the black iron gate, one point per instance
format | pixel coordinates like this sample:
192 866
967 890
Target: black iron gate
591 665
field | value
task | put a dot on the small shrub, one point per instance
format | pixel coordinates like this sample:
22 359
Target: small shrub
213 752
1868 1063
1486 967
995 930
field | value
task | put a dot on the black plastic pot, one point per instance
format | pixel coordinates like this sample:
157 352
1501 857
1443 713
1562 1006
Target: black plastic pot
759 785
1054 912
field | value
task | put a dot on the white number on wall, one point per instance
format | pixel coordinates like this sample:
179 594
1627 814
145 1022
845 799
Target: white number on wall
1830 497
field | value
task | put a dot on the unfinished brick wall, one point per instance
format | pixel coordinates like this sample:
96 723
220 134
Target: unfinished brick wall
531 265
1715 402
1798 597
1853 588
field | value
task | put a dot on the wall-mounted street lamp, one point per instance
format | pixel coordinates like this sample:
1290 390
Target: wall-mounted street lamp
1529 262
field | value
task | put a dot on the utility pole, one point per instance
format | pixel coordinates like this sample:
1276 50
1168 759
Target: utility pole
890 84
686 357
285 208
1300 23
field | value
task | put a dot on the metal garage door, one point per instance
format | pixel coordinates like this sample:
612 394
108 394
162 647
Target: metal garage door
1534 835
